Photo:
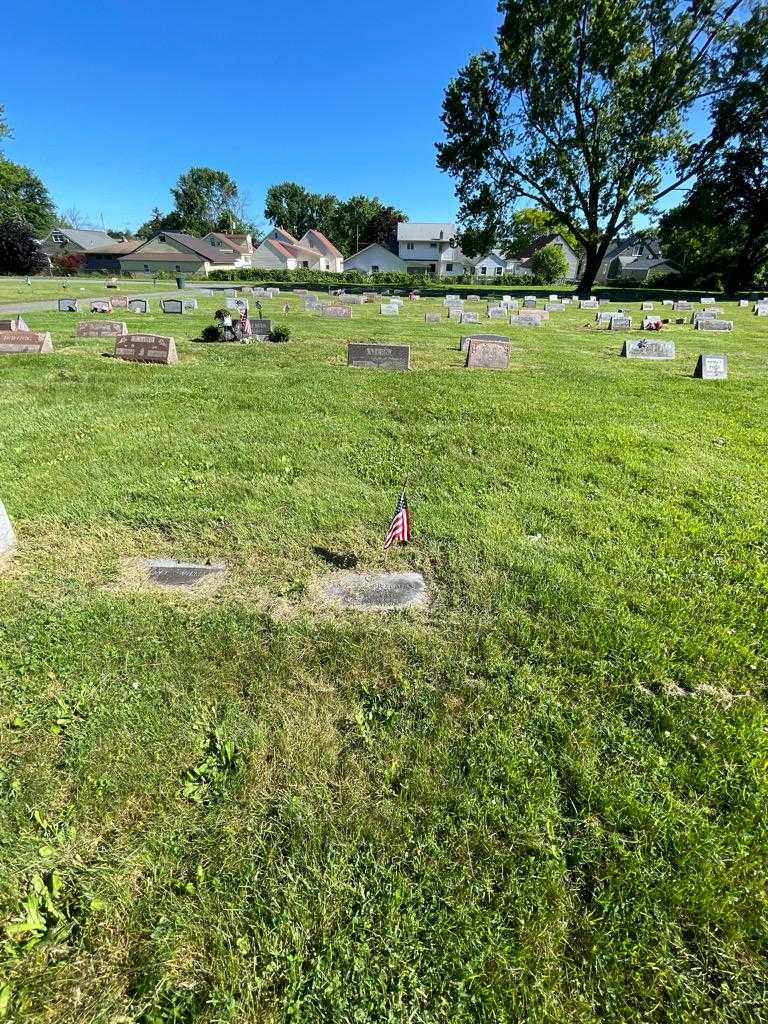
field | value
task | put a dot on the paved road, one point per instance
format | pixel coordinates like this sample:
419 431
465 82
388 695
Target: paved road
44 304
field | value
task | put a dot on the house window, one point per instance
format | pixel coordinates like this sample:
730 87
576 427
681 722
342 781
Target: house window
176 267
409 246
498 270
305 263
449 268
432 268
146 268
433 245
374 270
483 270
58 237
162 238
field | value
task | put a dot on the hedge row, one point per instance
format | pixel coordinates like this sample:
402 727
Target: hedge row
392 277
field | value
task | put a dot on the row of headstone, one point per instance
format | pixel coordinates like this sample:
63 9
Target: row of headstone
709 366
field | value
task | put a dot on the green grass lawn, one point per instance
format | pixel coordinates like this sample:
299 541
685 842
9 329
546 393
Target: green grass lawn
543 799
16 289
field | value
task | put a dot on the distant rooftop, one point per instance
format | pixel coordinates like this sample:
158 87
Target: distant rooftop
408 231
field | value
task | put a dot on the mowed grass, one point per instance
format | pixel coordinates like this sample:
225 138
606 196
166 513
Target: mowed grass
542 799
16 289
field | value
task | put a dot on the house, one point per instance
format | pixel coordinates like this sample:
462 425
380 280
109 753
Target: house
490 266
373 259
432 249
107 257
241 245
279 250
636 258
73 240
520 262
177 253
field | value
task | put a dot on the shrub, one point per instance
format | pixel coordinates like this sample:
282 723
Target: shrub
279 333
19 252
549 264
211 334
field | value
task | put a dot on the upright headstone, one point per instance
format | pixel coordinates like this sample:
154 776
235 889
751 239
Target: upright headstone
529 302
7 536
192 304
101 328
667 302
389 309
588 304
474 298
261 328
619 322
712 367
373 356
708 324
432 318
707 300
644 348
488 355
119 301
743 303
651 323
682 304
455 313
172 305
497 312
31 343
68 306
527 319
138 305
470 318
101 306
14 324
761 309
338 312
146 348
646 307
467 338
554 307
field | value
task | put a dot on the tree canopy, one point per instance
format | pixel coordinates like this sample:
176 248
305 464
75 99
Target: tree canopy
204 200
581 110
549 264
19 251
719 234
23 196
350 224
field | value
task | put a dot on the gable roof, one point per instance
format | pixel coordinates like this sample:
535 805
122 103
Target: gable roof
376 245
327 246
538 243
283 235
194 245
408 231
643 262
238 242
620 245
117 247
85 239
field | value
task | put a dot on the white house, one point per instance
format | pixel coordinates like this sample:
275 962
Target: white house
240 246
490 266
375 258
279 250
432 249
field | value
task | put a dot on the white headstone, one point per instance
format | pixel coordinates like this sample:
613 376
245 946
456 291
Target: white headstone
7 536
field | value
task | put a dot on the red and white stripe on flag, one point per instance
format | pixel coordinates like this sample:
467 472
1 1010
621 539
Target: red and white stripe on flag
399 531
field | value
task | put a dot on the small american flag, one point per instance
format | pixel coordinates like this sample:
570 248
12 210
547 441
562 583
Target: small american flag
399 531
245 324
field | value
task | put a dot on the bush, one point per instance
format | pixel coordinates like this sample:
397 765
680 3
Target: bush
279 333
19 252
549 264
211 334
326 279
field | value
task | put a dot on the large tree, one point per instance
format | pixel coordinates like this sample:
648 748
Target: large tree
25 197
350 223
204 200
582 111
719 234
529 223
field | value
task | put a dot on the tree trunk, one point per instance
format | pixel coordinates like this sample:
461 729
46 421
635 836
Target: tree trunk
593 259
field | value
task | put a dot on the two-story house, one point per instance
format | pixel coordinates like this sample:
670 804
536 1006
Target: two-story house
635 258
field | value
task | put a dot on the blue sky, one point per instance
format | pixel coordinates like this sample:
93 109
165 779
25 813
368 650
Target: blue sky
114 100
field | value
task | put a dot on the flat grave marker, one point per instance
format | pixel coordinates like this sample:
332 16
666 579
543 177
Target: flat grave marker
376 592
373 356
167 572
146 348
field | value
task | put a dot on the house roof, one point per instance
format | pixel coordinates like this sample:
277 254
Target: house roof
407 231
286 236
117 247
375 245
86 239
538 243
620 244
195 245
328 247
238 242
642 262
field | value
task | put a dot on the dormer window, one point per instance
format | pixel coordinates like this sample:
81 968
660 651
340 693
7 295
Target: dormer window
58 237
